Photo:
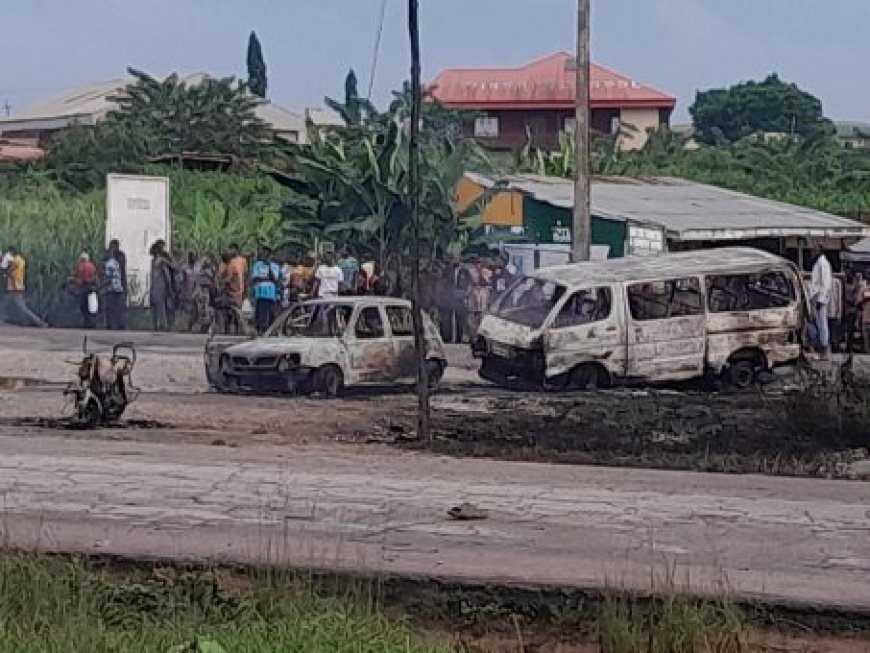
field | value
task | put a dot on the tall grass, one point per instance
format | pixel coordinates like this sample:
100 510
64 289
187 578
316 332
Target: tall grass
59 605
51 228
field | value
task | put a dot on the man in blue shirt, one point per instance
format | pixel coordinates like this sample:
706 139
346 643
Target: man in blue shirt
265 279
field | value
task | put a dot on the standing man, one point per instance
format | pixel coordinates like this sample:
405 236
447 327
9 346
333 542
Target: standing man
835 313
821 286
190 272
349 271
15 266
118 254
84 283
237 274
162 290
265 277
114 290
478 296
327 278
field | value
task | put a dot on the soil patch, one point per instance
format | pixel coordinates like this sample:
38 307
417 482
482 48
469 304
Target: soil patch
731 433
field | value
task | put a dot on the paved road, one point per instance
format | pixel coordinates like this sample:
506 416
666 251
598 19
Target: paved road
338 506
775 538
168 362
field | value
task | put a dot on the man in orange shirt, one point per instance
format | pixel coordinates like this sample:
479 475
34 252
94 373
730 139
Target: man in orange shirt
82 284
14 265
237 272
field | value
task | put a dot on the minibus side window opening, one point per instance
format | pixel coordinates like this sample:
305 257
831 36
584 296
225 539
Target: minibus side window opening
585 307
749 292
660 300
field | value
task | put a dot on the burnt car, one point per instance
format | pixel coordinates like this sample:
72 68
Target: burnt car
326 345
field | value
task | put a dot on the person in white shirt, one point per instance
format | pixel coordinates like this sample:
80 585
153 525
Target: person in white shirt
327 278
821 286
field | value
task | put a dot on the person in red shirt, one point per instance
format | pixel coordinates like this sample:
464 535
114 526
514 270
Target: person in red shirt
84 282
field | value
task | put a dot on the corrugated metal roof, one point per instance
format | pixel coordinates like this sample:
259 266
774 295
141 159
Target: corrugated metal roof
546 83
648 268
90 103
686 209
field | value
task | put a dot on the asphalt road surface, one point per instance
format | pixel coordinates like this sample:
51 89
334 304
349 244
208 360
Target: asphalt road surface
263 480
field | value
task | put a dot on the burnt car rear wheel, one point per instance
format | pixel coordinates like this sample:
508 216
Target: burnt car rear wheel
435 370
588 377
329 381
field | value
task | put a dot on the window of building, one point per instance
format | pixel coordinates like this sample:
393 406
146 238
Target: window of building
661 300
486 127
369 324
584 307
749 292
401 320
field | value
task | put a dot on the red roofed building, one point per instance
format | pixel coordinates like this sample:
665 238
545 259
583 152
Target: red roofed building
540 96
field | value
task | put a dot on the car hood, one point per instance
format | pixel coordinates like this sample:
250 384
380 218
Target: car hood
508 333
271 347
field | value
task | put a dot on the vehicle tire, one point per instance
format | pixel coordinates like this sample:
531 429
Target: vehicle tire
586 377
222 379
329 381
435 370
740 373
90 415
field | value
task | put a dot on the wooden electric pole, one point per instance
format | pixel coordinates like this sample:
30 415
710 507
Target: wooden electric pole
581 232
423 428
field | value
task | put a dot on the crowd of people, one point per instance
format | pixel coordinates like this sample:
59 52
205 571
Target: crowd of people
841 307
465 292
217 294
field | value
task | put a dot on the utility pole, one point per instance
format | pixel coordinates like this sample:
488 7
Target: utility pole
582 228
423 427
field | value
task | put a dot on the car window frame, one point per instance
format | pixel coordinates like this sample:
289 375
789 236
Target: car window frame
700 289
557 311
359 317
390 323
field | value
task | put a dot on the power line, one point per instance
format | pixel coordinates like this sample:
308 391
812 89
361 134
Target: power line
377 49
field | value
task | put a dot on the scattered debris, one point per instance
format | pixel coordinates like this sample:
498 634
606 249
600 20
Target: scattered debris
467 512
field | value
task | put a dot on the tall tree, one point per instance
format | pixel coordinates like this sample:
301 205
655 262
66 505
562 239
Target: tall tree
163 117
771 105
256 67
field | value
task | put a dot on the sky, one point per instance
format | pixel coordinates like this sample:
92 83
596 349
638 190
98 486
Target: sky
678 46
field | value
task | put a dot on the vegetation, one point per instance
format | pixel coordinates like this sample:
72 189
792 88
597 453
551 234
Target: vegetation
772 105
158 119
50 604
356 178
815 172
209 210
256 67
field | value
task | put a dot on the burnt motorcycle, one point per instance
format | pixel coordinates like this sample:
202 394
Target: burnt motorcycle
104 387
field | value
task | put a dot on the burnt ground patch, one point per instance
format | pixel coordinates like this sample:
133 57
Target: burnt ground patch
788 433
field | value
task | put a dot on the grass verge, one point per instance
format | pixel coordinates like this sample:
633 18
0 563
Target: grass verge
56 604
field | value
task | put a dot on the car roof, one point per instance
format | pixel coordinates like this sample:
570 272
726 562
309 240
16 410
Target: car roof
724 260
355 300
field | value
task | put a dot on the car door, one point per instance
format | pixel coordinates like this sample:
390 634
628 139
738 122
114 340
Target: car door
667 329
585 329
370 349
401 323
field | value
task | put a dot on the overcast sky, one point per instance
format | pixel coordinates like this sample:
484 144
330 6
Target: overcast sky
677 46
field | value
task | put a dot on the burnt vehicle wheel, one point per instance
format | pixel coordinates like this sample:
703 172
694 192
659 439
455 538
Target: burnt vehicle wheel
435 370
90 415
587 377
329 381
224 382
740 373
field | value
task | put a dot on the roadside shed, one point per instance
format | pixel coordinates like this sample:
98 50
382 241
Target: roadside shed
671 214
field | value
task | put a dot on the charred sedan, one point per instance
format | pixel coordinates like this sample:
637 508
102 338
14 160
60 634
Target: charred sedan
324 346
